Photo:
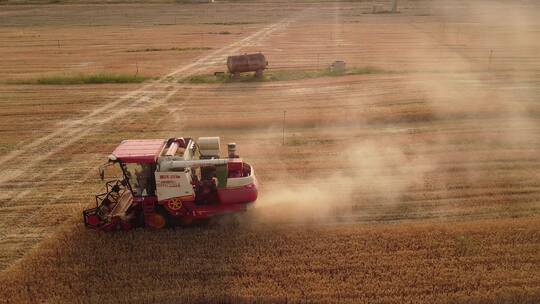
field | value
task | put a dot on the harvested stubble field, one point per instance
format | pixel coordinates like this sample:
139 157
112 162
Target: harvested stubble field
419 184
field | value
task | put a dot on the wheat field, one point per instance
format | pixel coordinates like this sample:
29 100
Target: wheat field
415 184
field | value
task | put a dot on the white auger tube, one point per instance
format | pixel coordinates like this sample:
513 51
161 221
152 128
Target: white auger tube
170 165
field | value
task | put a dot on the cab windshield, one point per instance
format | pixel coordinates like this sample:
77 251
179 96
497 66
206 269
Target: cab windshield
140 178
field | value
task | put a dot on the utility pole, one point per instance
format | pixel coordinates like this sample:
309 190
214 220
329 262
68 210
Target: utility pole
490 56
394 6
284 112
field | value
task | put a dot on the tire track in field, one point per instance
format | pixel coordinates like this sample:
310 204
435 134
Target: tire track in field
28 155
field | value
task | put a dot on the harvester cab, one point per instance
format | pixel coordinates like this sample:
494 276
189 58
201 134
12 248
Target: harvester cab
168 182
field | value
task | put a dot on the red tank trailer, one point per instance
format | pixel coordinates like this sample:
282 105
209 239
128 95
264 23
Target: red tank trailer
170 182
247 63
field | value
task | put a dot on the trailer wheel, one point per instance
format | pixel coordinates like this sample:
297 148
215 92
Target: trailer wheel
259 73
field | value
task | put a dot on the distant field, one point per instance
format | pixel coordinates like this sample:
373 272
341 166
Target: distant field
38 2
81 79
415 183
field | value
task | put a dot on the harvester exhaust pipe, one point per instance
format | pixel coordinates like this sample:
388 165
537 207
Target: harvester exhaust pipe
172 149
231 149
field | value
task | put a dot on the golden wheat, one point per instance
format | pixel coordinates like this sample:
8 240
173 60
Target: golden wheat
483 262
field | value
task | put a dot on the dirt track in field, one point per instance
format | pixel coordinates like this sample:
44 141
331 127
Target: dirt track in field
447 132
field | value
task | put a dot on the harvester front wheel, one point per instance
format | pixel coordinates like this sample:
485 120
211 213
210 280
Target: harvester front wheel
156 221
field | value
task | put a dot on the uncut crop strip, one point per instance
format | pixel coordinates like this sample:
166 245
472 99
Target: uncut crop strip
481 262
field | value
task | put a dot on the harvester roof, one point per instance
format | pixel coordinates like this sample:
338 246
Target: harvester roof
139 151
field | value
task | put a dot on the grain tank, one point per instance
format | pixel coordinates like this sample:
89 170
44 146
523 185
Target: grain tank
247 63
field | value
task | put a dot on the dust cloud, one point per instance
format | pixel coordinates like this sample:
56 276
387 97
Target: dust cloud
478 85
369 168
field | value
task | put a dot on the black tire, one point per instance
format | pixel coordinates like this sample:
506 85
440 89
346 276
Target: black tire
169 220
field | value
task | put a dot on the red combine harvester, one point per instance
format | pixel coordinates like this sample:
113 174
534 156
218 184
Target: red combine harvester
171 182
